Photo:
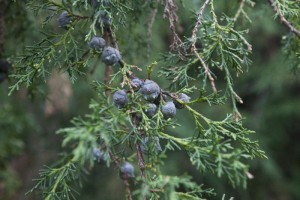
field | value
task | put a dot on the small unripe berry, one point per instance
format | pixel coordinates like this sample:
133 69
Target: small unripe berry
110 56
137 83
182 97
120 98
147 143
150 110
64 19
97 43
150 90
98 154
168 110
127 169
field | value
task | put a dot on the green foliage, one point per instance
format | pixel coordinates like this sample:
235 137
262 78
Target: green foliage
215 49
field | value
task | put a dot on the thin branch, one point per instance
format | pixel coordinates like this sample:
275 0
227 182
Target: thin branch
194 50
207 72
198 23
124 176
242 4
170 12
283 20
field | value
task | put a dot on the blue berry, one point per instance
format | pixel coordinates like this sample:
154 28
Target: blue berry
182 97
168 110
150 110
97 43
64 19
127 169
150 90
110 56
98 154
120 98
148 143
137 83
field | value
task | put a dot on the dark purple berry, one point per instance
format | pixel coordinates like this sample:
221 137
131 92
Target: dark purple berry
64 19
137 83
110 56
127 169
98 154
182 97
150 90
168 110
120 98
97 43
150 110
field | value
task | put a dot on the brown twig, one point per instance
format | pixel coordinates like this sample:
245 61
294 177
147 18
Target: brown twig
124 176
170 12
283 20
194 50
198 23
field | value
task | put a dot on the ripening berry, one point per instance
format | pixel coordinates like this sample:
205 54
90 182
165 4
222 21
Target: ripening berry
120 98
148 143
150 90
168 110
137 83
127 169
97 43
150 110
64 19
182 97
110 56
98 154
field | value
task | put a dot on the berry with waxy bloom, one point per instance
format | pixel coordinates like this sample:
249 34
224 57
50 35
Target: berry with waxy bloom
168 110
120 98
182 97
127 169
150 90
150 109
97 43
110 56
64 19
137 83
98 154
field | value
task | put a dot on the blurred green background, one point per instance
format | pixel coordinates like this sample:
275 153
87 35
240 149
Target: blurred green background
270 90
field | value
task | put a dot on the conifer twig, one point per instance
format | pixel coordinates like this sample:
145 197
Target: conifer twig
124 176
283 20
194 50
170 12
242 4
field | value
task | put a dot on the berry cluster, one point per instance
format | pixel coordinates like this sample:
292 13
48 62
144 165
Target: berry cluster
154 98
151 92
109 55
